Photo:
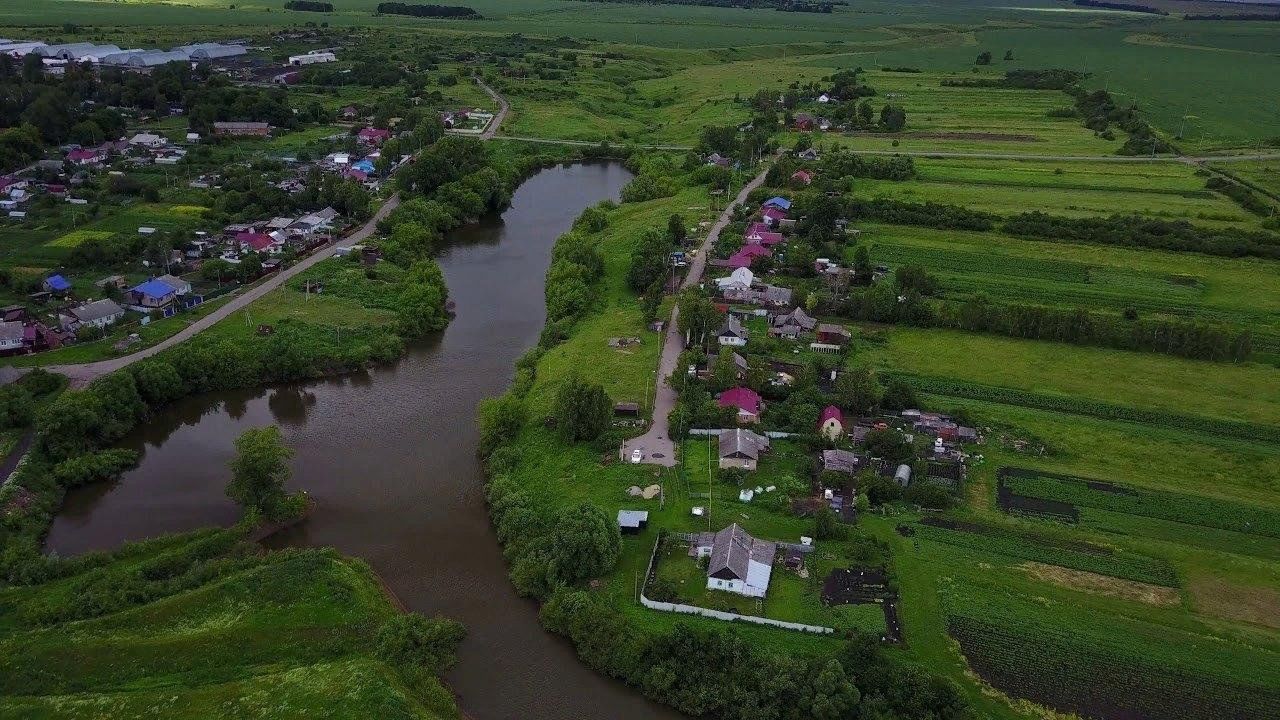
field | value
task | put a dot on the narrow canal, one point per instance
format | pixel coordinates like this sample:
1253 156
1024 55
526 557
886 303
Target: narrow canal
390 458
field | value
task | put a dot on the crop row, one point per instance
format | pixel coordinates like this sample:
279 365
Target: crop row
1092 408
1058 668
961 261
1176 507
1051 551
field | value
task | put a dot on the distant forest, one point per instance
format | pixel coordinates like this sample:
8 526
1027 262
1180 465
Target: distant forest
818 6
435 11
309 6
1120 6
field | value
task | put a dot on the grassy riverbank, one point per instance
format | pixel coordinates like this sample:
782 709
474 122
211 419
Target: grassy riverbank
206 625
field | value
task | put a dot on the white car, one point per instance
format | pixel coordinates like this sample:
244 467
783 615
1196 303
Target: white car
637 455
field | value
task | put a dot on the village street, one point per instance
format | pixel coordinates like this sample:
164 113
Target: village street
656 445
81 375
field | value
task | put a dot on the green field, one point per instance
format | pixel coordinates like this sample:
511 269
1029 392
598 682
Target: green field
286 634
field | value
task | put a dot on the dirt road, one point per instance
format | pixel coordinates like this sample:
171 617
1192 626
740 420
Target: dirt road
656 445
81 375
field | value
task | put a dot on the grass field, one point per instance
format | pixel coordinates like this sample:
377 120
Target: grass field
286 634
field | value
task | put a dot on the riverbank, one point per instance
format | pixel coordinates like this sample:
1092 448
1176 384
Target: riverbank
390 457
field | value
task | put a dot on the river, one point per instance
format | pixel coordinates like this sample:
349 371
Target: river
389 457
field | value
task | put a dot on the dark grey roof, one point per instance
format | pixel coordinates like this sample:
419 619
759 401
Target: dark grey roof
96 310
742 442
797 317
733 326
842 461
732 551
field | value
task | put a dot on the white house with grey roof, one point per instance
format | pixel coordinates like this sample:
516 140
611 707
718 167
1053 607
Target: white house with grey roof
738 562
740 449
99 313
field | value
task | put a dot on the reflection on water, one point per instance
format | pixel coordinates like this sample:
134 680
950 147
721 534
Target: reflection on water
389 456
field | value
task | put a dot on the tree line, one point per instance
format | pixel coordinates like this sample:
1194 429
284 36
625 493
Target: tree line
309 6
437 11
890 303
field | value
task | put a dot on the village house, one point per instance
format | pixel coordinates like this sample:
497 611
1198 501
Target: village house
732 333
767 295
258 242
741 278
738 563
740 449
241 129
373 136
746 401
831 423
99 313
842 461
829 334
804 121
83 157
56 284
631 522
11 337
802 177
313 57
718 160
780 203
180 286
152 294
792 324
773 217
147 140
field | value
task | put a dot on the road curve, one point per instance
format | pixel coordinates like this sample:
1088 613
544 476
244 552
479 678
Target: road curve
656 444
80 375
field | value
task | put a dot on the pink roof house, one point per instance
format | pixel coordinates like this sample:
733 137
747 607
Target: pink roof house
257 242
803 177
373 136
773 216
765 237
738 260
831 422
746 400
753 251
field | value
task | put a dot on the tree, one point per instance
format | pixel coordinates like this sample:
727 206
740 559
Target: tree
899 396
158 381
866 113
889 445
698 316
260 470
676 229
984 58
500 419
858 390
582 410
1008 55
834 697
893 118
862 270
826 526
411 640
584 544
913 278
725 373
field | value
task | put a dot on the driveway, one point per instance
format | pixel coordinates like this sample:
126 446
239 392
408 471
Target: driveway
656 444
81 375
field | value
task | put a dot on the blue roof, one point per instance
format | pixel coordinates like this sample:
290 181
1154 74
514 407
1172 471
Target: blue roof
780 202
154 288
363 166
57 282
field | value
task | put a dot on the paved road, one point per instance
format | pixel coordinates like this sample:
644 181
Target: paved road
81 375
656 444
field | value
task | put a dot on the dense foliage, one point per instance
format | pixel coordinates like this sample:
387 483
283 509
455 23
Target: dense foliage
438 11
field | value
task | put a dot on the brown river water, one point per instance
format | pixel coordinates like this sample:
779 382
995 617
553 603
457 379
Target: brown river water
389 457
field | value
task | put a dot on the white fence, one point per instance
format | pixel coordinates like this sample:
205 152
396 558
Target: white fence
773 434
731 617
717 614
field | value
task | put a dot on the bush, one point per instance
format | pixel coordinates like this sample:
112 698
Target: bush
411 640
